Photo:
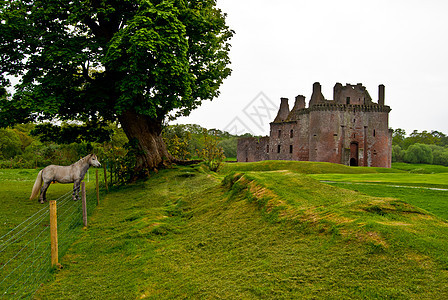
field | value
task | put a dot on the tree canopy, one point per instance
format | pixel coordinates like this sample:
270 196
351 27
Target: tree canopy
135 61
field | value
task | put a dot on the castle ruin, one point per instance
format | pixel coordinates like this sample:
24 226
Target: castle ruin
351 129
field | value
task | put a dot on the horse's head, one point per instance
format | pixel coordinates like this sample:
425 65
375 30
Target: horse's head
93 161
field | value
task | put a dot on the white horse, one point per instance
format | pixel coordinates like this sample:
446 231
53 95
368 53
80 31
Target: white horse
63 174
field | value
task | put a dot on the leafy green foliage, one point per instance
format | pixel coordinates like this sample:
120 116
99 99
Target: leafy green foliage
178 147
415 145
89 60
190 138
136 62
397 153
9 143
212 153
440 155
419 153
72 133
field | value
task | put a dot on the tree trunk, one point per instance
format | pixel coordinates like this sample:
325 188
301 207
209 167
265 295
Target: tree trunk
146 132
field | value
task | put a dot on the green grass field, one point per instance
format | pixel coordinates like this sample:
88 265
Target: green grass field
255 231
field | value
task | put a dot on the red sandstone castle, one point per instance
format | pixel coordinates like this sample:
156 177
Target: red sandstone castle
351 130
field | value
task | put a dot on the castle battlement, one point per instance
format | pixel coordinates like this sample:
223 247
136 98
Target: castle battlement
351 129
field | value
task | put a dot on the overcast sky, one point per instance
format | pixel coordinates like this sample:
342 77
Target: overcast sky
282 47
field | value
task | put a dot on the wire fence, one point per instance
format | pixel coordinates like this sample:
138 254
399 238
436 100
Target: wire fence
25 251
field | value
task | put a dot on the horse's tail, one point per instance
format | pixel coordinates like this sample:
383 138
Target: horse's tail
37 186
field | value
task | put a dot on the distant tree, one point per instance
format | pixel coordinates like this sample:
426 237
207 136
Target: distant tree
397 153
137 62
229 146
398 137
212 153
440 155
10 143
419 154
442 139
423 137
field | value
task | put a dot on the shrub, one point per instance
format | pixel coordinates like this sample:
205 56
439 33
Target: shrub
397 154
212 153
418 154
440 155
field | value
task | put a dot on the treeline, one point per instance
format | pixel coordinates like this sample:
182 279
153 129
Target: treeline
36 146
420 147
188 141
31 146
28 146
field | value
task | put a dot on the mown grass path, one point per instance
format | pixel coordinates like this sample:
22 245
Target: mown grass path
185 235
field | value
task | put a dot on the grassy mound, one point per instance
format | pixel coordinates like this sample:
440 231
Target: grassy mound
276 235
305 167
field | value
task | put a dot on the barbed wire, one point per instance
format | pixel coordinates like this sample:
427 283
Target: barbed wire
25 251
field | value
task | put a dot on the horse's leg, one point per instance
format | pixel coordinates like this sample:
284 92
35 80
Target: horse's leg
76 186
43 192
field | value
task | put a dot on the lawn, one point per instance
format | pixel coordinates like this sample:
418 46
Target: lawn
439 180
186 233
24 230
279 234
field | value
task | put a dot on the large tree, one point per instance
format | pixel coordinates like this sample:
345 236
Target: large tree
138 62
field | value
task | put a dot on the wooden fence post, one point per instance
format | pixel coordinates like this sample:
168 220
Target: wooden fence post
111 174
105 177
84 203
54 233
97 188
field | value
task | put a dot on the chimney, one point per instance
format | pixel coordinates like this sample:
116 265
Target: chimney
337 93
300 103
317 96
283 111
381 94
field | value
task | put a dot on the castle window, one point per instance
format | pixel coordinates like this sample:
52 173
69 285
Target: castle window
290 148
278 148
348 100
291 133
279 133
267 148
374 132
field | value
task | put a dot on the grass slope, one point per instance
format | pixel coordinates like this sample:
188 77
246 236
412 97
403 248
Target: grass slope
278 235
304 167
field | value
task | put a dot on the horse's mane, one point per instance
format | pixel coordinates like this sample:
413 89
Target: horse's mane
83 159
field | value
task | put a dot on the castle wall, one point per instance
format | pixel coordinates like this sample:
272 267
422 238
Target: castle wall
324 136
252 149
350 130
280 141
350 135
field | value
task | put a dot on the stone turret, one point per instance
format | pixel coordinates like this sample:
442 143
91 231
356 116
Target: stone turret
283 112
317 96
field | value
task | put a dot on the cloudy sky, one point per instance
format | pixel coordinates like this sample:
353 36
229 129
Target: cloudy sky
282 47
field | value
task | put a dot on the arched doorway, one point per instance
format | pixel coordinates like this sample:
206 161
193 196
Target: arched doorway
354 154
